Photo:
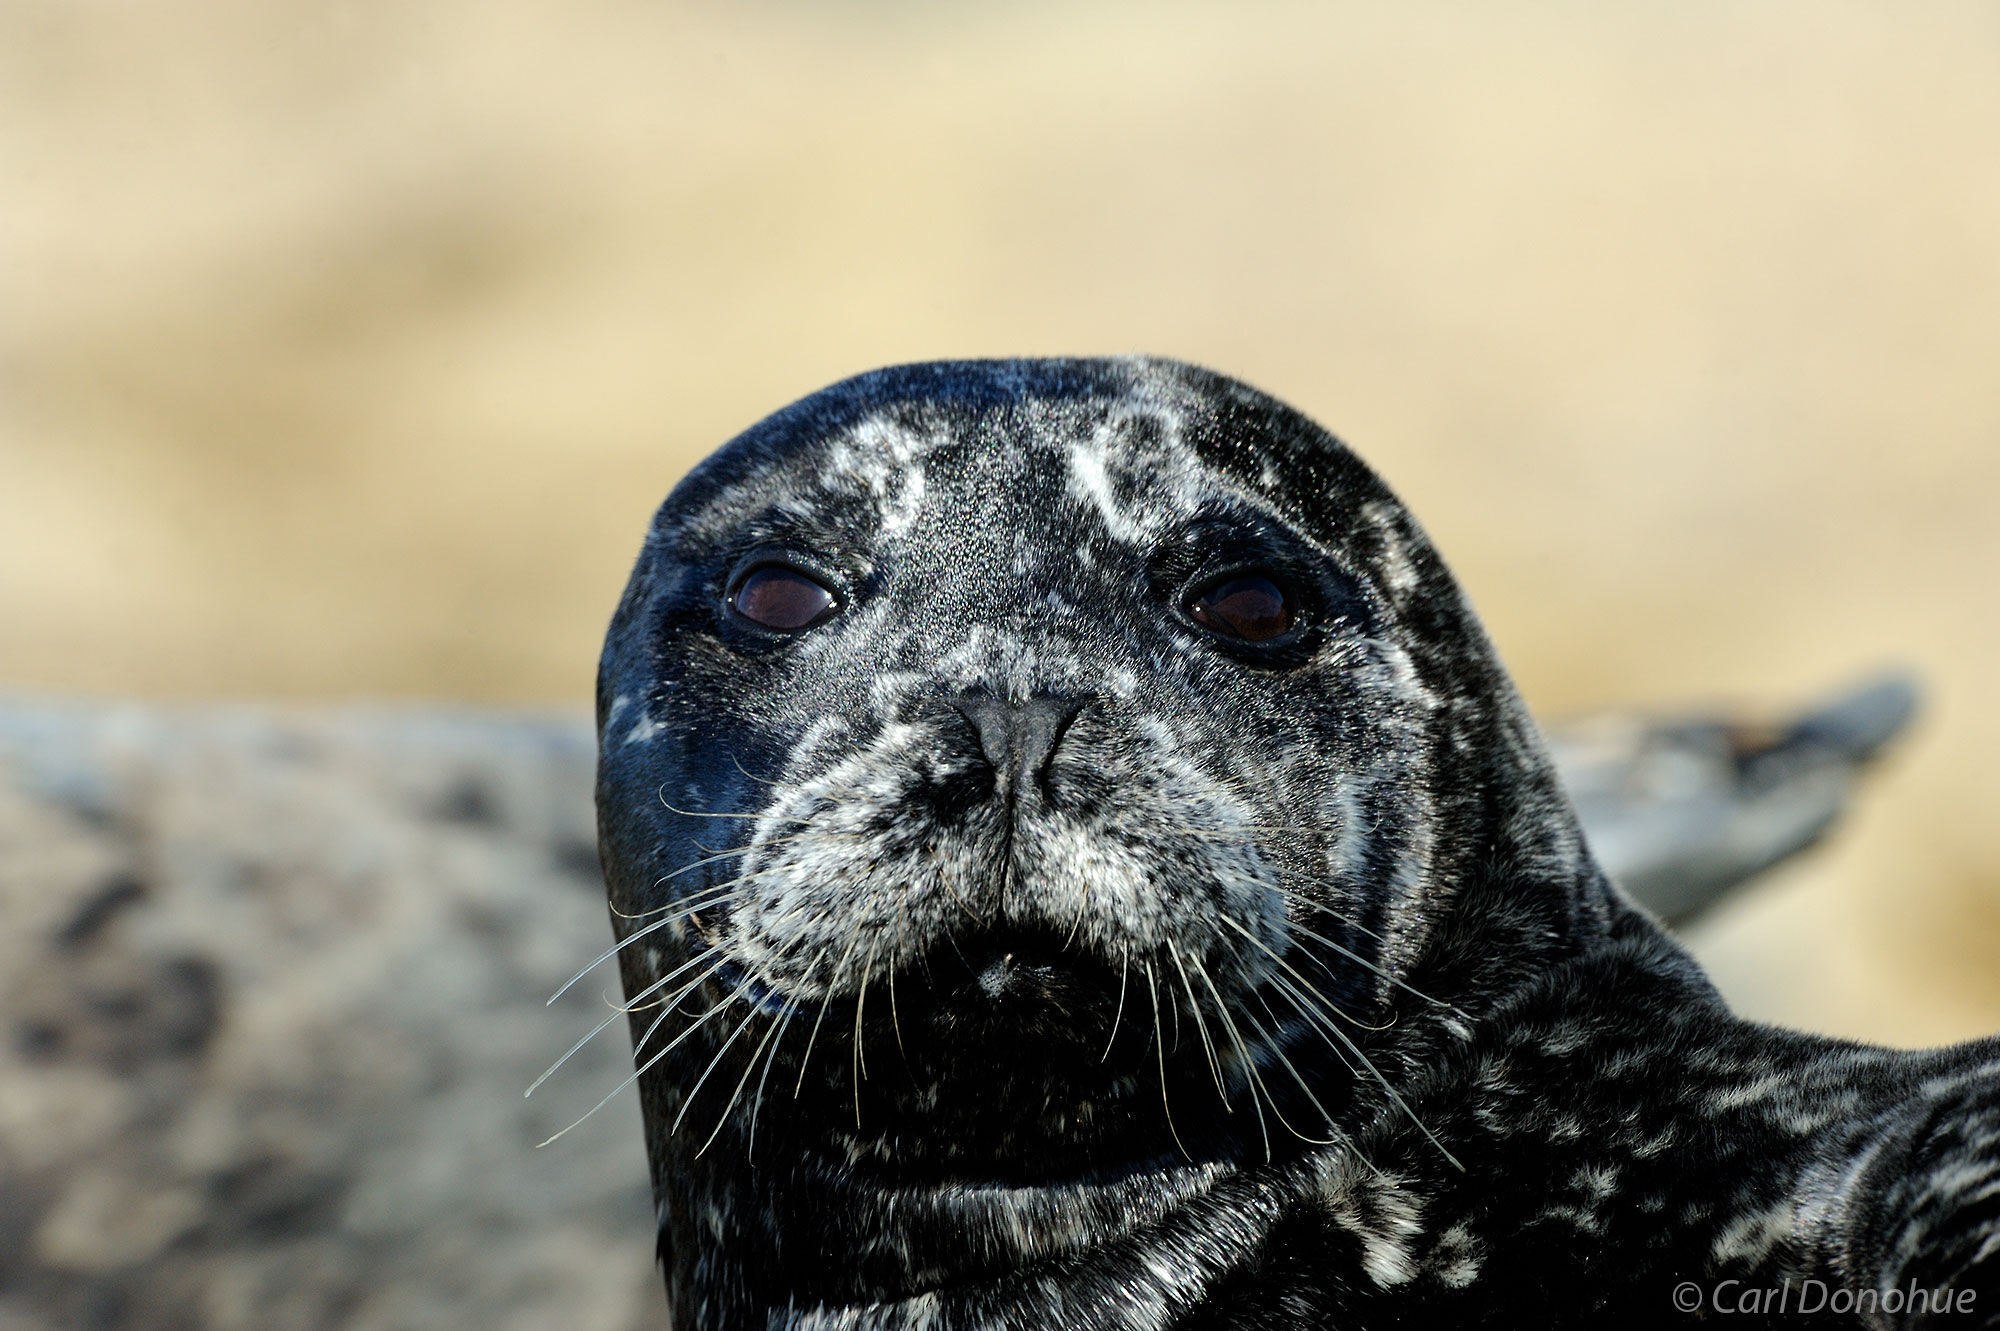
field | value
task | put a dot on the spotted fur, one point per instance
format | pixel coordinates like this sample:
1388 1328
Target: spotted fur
1009 951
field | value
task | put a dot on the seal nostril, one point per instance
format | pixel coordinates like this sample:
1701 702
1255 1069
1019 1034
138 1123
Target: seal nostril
1019 740
1044 722
989 717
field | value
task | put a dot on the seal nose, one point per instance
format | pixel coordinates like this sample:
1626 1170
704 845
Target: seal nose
1019 739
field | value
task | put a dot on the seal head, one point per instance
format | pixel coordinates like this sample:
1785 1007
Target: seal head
1025 705
1072 847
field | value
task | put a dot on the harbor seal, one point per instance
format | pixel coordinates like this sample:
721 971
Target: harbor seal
1078 862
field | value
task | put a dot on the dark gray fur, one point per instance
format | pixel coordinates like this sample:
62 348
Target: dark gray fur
1038 960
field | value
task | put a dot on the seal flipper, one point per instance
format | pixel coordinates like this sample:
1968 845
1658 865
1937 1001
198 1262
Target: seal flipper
1681 811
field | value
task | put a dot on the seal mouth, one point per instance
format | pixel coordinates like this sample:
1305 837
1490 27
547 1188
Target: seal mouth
1022 966
1027 983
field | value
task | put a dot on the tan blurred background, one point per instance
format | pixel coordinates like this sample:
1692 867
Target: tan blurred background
346 347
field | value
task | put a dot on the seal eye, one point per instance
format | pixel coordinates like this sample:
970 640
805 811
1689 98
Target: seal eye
781 599
1248 606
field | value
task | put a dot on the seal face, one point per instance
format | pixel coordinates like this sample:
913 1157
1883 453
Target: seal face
1073 848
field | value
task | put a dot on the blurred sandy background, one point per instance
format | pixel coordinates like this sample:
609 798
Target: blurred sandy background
344 348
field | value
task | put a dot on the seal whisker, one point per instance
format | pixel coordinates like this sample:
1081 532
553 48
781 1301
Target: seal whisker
757 1102
1124 974
1345 1139
618 914
715 894
691 905
749 1066
826 1001
644 1068
668 1006
687 1101
1325 1001
1229 836
1242 1051
1076 920
1160 1052
1326 1025
741 1082
760 780
896 1017
1328 1029
681 901
605 956
1309 1011
1293 894
630 1006
1201 1026
713 857
944 881
636 1003
716 856
860 1055
1233 836
671 807
1360 960
1266 1041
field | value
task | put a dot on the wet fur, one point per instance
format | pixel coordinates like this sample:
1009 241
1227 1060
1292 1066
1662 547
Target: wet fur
1283 993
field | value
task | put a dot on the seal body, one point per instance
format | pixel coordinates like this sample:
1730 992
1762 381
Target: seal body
1078 862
